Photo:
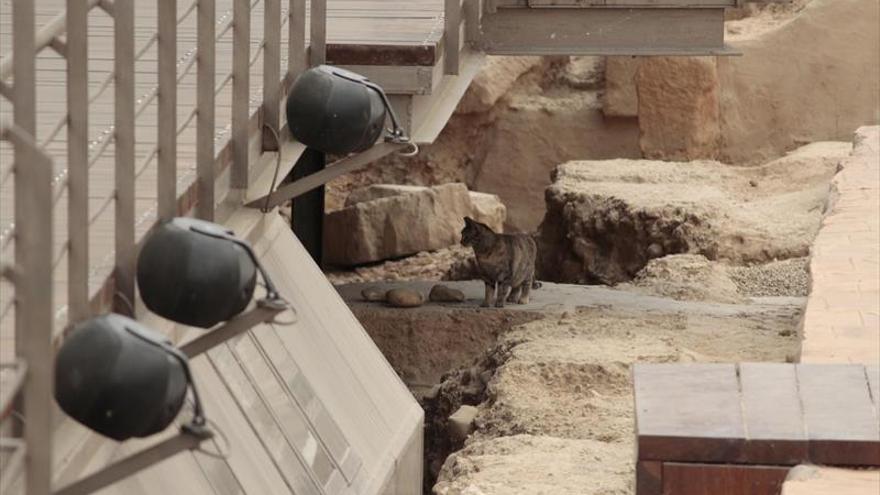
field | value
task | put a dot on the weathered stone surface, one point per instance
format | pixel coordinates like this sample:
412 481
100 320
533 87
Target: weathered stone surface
404 298
395 226
620 98
379 191
488 209
373 294
606 219
679 112
795 84
442 293
535 135
497 77
461 423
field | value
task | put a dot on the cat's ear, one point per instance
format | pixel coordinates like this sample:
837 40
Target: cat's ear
468 221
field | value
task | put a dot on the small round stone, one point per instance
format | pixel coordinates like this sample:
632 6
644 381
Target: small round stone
442 293
404 298
373 294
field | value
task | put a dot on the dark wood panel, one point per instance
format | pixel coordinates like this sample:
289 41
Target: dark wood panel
772 414
349 54
709 479
839 416
688 412
603 30
649 478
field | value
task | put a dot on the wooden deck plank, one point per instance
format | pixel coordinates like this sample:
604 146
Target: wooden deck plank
839 416
791 414
688 412
712 479
772 414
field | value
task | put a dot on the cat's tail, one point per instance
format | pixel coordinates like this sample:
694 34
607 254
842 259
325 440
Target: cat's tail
536 284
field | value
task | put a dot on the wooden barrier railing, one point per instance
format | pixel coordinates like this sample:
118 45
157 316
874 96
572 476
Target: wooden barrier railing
37 193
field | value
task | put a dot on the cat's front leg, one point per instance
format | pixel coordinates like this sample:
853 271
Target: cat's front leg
490 294
503 288
514 294
526 290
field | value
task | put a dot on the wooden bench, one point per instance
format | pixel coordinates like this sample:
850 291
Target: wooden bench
738 428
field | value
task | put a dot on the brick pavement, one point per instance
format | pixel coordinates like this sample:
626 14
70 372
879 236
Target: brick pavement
842 319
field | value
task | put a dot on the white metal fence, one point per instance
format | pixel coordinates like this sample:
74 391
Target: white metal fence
150 150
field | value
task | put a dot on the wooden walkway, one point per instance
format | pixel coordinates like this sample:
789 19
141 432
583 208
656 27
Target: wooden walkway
710 428
360 32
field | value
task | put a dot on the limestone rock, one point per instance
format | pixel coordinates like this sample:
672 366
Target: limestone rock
373 294
679 110
488 209
379 191
620 98
399 225
404 298
442 293
461 423
607 219
494 81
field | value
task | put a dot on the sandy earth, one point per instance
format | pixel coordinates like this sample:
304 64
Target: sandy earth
558 413
756 19
551 379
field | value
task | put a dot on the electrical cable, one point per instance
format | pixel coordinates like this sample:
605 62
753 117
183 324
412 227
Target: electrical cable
265 208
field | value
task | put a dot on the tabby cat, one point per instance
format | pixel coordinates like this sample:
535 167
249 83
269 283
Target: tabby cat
507 260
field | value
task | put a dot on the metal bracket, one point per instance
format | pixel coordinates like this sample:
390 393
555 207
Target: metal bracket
10 389
187 439
265 311
6 90
335 169
59 44
14 462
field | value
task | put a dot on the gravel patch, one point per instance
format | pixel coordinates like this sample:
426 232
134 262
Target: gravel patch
778 278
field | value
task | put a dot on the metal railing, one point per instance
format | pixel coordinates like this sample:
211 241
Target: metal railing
37 192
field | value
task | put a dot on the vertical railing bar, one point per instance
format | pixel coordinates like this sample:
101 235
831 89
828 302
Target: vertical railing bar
241 27
124 103
451 36
473 11
207 20
166 182
296 40
33 259
271 67
318 33
77 160
33 293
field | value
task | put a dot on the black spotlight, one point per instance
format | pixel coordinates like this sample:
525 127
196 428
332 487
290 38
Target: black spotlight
121 379
197 273
337 111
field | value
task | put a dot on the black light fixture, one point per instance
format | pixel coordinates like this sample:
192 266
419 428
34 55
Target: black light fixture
338 111
122 380
198 273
